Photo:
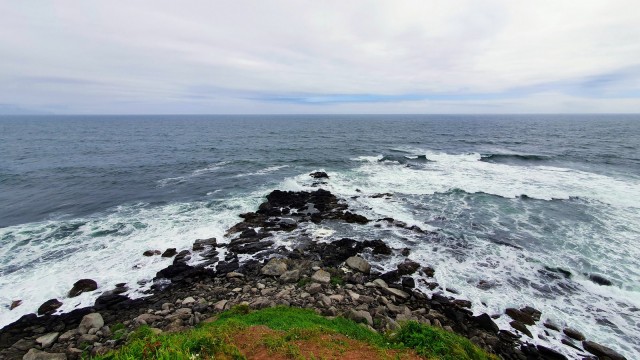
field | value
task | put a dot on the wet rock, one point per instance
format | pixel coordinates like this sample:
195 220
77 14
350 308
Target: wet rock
49 307
485 322
35 354
321 277
408 282
47 340
521 327
602 351
275 267
408 267
182 257
551 325
354 218
548 353
319 175
520 316
574 334
90 321
600 280
200 244
290 276
391 277
359 264
169 252
15 304
534 313
378 247
83 285
428 271
151 252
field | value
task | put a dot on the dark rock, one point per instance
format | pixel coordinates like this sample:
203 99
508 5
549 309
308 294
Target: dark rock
354 218
319 175
225 267
391 277
565 273
520 316
151 252
521 327
15 304
83 285
462 303
574 334
534 313
49 307
600 280
485 322
408 267
602 351
200 244
408 282
377 196
182 257
548 353
549 325
405 252
378 247
428 271
169 252
570 343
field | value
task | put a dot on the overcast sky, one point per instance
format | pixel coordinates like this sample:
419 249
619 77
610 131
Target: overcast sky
453 56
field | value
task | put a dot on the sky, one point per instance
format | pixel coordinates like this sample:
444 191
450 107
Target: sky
266 57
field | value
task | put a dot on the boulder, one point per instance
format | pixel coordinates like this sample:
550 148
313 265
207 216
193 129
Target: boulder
151 252
35 354
90 321
47 340
15 304
485 322
574 334
49 307
275 267
82 285
408 267
600 280
359 264
321 277
602 351
551 354
319 175
408 282
396 292
290 276
521 327
360 316
201 243
170 252
520 316
314 288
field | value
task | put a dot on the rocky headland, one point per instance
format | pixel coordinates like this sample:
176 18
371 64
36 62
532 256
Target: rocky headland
332 278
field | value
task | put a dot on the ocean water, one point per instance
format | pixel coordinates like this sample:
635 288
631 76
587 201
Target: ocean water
506 197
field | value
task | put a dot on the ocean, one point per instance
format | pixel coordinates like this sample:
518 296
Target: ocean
510 198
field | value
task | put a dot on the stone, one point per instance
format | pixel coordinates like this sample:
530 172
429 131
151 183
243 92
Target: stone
275 267
485 322
360 316
47 340
220 305
319 175
68 335
521 327
408 267
90 321
355 296
290 276
408 282
549 324
396 292
551 354
380 283
325 300
314 288
87 338
147 319
170 252
151 252
15 304
35 354
24 344
234 275
600 280
602 351
49 307
359 264
82 285
520 316
188 301
574 334
321 277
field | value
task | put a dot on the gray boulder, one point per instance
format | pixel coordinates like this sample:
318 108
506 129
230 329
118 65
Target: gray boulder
275 267
35 354
359 264
47 340
90 321
321 277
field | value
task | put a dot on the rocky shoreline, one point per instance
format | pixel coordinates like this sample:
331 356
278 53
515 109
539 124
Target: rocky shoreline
331 278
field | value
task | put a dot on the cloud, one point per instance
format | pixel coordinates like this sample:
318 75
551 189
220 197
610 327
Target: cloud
330 56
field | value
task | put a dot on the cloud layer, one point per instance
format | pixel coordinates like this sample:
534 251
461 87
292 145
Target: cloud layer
460 56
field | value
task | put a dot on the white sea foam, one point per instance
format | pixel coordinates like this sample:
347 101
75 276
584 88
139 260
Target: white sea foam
107 248
198 172
264 171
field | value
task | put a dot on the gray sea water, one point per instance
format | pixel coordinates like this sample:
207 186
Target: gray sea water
510 197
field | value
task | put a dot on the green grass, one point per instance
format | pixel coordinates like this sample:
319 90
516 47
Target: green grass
212 340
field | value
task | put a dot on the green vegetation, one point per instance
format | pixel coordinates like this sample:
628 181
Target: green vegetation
214 339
